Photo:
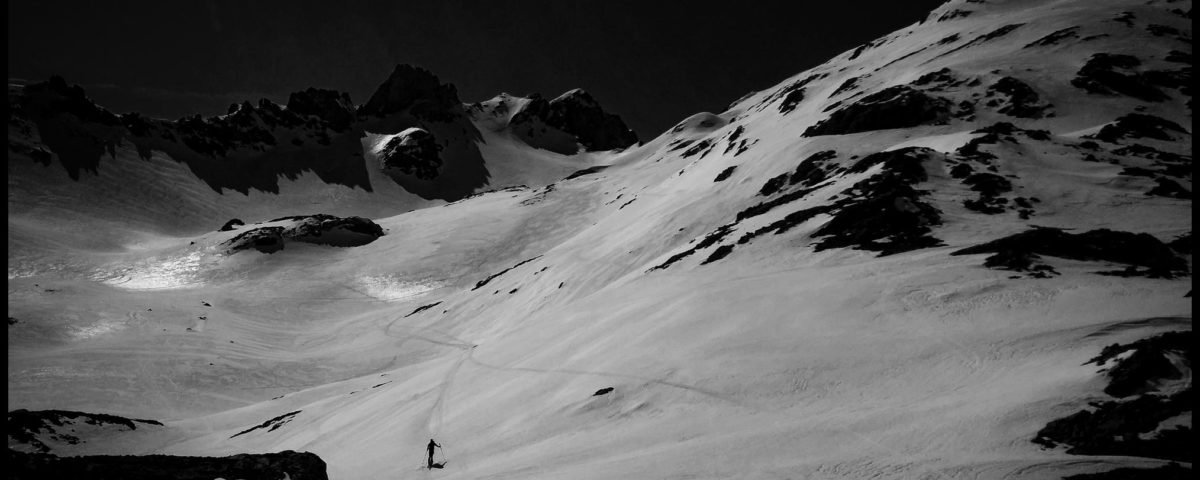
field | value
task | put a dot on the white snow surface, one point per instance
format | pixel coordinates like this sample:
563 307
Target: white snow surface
774 362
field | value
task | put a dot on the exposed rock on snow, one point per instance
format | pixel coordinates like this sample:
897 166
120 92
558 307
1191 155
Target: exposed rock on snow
1016 98
1110 74
318 229
270 425
1134 426
895 107
1135 249
1170 471
412 152
569 121
38 431
1148 365
231 225
290 464
1139 125
263 239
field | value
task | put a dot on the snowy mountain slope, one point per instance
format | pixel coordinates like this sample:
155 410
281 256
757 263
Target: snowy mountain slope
772 291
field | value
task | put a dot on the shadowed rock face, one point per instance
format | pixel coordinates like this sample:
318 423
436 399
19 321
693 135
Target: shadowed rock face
247 149
328 105
413 152
252 146
415 90
575 115
296 465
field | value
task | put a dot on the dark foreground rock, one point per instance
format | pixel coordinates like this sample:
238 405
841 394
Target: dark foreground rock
1133 249
273 466
30 430
1170 471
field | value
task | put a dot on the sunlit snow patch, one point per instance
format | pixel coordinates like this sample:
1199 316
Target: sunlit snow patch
392 289
99 327
943 143
155 274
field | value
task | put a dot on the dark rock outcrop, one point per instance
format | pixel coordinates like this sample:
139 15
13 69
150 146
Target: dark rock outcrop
1139 373
1133 426
895 107
263 239
574 116
725 174
414 152
1139 125
231 225
884 213
319 229
1016 98
323 229
1135 249
1170 471
1112 74
296 465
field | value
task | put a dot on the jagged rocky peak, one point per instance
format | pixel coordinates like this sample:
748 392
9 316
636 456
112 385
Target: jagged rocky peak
329 105
577 115
412 88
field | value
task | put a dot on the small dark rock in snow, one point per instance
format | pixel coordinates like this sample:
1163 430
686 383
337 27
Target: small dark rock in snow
603 391
725 174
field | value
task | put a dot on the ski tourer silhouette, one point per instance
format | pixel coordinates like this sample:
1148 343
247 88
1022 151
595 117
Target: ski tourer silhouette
429 449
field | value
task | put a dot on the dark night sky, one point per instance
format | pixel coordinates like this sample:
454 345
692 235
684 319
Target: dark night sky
651 62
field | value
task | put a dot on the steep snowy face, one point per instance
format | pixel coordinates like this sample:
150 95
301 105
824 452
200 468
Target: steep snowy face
961 250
